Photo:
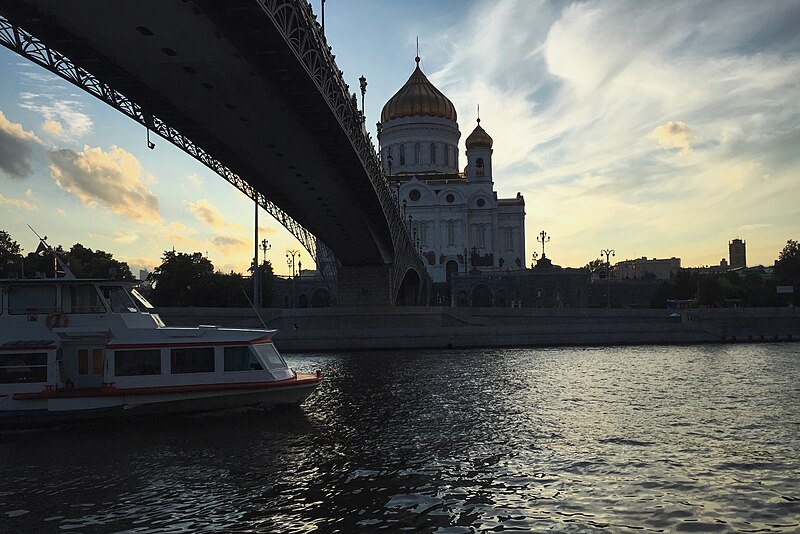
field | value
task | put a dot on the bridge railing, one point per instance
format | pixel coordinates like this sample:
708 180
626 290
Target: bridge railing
296 21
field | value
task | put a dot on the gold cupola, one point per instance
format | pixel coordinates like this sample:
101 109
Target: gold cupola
479 138
418 97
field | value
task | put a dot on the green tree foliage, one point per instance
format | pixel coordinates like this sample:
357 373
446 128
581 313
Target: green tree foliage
86 263
180 278
10 255
787 269
190 280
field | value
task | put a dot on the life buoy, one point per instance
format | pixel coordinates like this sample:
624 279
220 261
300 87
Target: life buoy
55 319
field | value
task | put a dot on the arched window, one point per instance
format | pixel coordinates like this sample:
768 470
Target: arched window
402 154
416 153
433 152
446 155
479 167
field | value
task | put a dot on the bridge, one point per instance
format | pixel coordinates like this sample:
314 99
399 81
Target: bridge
251 89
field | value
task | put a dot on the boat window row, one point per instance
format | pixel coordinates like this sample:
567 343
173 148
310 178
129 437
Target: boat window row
140 362
75 298
20 368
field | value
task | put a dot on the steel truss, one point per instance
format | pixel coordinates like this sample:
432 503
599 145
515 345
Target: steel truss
297 23
28 46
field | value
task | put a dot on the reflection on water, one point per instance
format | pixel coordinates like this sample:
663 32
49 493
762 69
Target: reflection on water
614 439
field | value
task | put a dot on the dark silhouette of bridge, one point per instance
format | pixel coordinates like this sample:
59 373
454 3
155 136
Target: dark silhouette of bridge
251 89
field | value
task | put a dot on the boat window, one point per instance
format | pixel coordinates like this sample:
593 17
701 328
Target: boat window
137 362
90 364
270 356
142 303
25 367
193 360
119 299
31 299
81 299
241 359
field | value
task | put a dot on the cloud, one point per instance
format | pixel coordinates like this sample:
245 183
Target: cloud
53 128
229 245
17 203
573 96
206 213
15 149
194 179
111 179
177 233
62 118
125 237
674 135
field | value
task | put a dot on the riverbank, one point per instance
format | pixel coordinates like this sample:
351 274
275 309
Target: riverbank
317 329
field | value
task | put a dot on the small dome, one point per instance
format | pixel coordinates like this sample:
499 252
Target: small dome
418 97
479 138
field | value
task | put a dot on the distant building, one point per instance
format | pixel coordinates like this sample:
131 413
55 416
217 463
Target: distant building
737 254
662 269
455 218
143 274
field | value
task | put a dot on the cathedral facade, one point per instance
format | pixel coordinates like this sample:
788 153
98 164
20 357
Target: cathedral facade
455 217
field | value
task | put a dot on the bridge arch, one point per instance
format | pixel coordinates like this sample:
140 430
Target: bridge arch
408 293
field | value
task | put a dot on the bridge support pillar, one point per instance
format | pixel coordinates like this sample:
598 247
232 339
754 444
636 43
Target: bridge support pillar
363 286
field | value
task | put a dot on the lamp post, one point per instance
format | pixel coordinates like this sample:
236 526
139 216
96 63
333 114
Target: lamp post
290 261
363 84
543 238
609 253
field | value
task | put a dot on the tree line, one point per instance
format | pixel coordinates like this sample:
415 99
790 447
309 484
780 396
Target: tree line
182 279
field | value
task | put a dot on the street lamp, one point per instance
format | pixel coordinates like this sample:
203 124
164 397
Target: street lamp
543 238
609 253
290 260
363 83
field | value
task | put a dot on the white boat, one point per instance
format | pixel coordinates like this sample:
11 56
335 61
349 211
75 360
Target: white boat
75 348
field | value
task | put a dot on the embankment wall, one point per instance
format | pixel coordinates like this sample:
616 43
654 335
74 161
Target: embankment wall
332 329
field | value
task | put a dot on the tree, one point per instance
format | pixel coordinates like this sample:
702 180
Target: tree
10 255
787 268
181 278
86 263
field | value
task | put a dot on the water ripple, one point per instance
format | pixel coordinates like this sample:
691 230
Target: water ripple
632 439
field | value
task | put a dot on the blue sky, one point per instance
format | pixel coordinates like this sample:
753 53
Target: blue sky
657 129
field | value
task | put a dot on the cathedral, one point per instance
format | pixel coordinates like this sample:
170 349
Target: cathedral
455 217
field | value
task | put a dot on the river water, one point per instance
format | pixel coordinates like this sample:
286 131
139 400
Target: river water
612 439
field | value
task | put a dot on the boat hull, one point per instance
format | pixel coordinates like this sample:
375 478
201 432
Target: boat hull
47 407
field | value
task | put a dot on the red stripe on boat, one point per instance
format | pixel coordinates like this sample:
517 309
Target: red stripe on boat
111 391
29 347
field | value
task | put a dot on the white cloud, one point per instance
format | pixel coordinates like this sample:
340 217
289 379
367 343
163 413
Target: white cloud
17 203
574 98
110 179
62 118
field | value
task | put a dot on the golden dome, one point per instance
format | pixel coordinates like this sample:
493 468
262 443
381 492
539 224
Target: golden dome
418 97
479 138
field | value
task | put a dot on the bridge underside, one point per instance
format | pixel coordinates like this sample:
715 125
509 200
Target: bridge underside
222 74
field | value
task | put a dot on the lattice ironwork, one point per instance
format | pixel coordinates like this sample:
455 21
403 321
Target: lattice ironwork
296 22
28 46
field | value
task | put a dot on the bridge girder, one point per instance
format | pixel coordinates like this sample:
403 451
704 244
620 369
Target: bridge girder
371 215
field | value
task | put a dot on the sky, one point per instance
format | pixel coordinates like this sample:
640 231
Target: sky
657 129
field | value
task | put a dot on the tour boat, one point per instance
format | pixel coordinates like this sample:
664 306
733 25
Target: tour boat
76 348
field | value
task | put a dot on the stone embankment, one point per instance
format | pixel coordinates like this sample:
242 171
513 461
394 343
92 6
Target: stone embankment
326 329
